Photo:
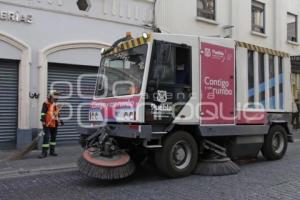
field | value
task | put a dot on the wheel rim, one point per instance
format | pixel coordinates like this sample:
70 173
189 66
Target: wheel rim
181 155
278 142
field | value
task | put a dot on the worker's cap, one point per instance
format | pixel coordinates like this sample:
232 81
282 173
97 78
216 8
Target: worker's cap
54 94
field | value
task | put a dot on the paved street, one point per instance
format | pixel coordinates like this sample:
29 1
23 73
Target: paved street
30 164
257 180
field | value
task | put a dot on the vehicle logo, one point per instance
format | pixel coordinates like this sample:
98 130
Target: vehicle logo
207 52
161 96
218 55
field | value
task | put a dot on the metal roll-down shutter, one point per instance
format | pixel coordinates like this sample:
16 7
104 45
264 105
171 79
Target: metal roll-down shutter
9 75
63 74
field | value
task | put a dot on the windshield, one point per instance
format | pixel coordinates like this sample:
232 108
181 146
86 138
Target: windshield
122 73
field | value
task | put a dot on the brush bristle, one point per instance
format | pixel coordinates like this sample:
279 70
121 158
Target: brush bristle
216 167
19 155
106 173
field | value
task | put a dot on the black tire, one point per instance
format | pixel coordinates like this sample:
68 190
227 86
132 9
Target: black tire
271 151
179 142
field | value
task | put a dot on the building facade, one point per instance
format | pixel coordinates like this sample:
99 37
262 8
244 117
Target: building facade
48 44
270 24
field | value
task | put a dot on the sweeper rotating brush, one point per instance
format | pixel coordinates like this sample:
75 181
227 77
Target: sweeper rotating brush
216 167
114 167
216 162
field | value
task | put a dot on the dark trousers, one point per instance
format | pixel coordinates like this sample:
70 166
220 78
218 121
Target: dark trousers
49 139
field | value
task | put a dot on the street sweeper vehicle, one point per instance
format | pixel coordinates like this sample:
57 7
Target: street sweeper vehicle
189 104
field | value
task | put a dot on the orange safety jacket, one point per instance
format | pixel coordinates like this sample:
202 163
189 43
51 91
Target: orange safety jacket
50 114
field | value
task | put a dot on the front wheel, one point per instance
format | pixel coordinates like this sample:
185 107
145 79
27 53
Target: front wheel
179 155
275 144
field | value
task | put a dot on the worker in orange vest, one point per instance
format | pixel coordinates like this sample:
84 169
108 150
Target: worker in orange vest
50 119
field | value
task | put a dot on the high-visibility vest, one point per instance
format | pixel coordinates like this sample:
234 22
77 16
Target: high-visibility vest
52 115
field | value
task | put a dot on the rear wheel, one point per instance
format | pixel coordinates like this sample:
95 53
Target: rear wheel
275 144
179 155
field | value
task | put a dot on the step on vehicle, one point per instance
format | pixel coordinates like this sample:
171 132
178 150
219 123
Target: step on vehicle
190 104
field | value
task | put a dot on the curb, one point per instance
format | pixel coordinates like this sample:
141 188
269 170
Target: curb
37 171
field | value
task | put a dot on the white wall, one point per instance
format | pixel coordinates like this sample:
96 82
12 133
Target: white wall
9 52
177 16
242 24
135 12
90 57
58 22
292 6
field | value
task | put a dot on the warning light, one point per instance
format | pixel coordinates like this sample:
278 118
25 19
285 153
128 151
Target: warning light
145 35
128 34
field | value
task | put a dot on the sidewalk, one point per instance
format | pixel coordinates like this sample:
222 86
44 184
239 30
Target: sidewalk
31 164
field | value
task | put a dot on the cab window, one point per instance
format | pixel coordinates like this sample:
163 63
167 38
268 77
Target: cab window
171 64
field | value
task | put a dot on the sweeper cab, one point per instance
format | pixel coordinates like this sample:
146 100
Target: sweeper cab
187 103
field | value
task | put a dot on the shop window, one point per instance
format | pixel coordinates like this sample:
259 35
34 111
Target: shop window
258 17
251 92
261 74
292 27
206 9
83 5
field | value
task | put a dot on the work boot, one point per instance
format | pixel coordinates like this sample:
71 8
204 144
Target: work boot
52 151
44 153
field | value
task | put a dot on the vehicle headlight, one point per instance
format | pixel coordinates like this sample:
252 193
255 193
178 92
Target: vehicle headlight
131 116
95 115
126 116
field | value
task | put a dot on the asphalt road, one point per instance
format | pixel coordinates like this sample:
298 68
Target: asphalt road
257 180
